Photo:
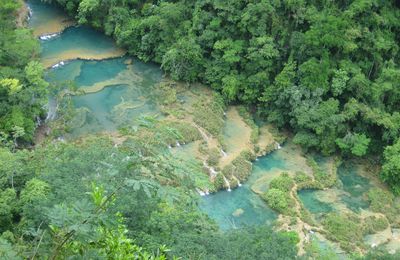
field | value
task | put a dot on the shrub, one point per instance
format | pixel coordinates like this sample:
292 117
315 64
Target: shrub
374 224
284 182
345 229
213 157
380 200
279 201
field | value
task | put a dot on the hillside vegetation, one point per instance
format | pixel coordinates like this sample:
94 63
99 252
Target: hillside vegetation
328 70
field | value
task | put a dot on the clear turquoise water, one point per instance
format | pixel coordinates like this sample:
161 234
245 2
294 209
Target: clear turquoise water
222 205
77 40
42 12
93 71
101 105
311 202
353 187
68 72
120 103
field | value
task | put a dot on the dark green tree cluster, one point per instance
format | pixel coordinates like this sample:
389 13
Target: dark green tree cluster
326 69
23 92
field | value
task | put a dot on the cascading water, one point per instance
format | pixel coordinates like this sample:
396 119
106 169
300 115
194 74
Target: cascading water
236 179
224 154
227 183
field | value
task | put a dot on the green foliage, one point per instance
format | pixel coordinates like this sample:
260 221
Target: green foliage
184 60
240 167
375 224
304 181
208 113
248 243
23 91
314 251
357 144
391 166
8 205
322 178
383 202
380 200
248 118
329 72
213 157
284 182
279 200
379 253
345 229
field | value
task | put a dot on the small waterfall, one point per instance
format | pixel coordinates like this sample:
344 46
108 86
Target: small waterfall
178 144
38 121
211 170
51 109
169 146
30 13
202 193
256 158
227 183
224 153
46 37
61 63
277 146
238 182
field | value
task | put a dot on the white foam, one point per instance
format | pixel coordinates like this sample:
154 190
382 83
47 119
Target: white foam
46 37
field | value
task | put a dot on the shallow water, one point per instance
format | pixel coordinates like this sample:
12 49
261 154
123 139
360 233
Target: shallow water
243 207
119 93
350 194
235 131
312 203
47 19
78 42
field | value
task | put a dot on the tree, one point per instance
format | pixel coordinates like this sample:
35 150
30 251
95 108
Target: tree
184 60
356 144
391 166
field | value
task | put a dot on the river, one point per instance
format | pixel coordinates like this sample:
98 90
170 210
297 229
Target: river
119 91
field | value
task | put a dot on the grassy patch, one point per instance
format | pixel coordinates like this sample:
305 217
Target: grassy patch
280 201
374 224
248 119
347 230
383 201
240 167
208 113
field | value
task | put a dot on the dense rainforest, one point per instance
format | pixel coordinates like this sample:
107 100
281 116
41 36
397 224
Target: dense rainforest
326 70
